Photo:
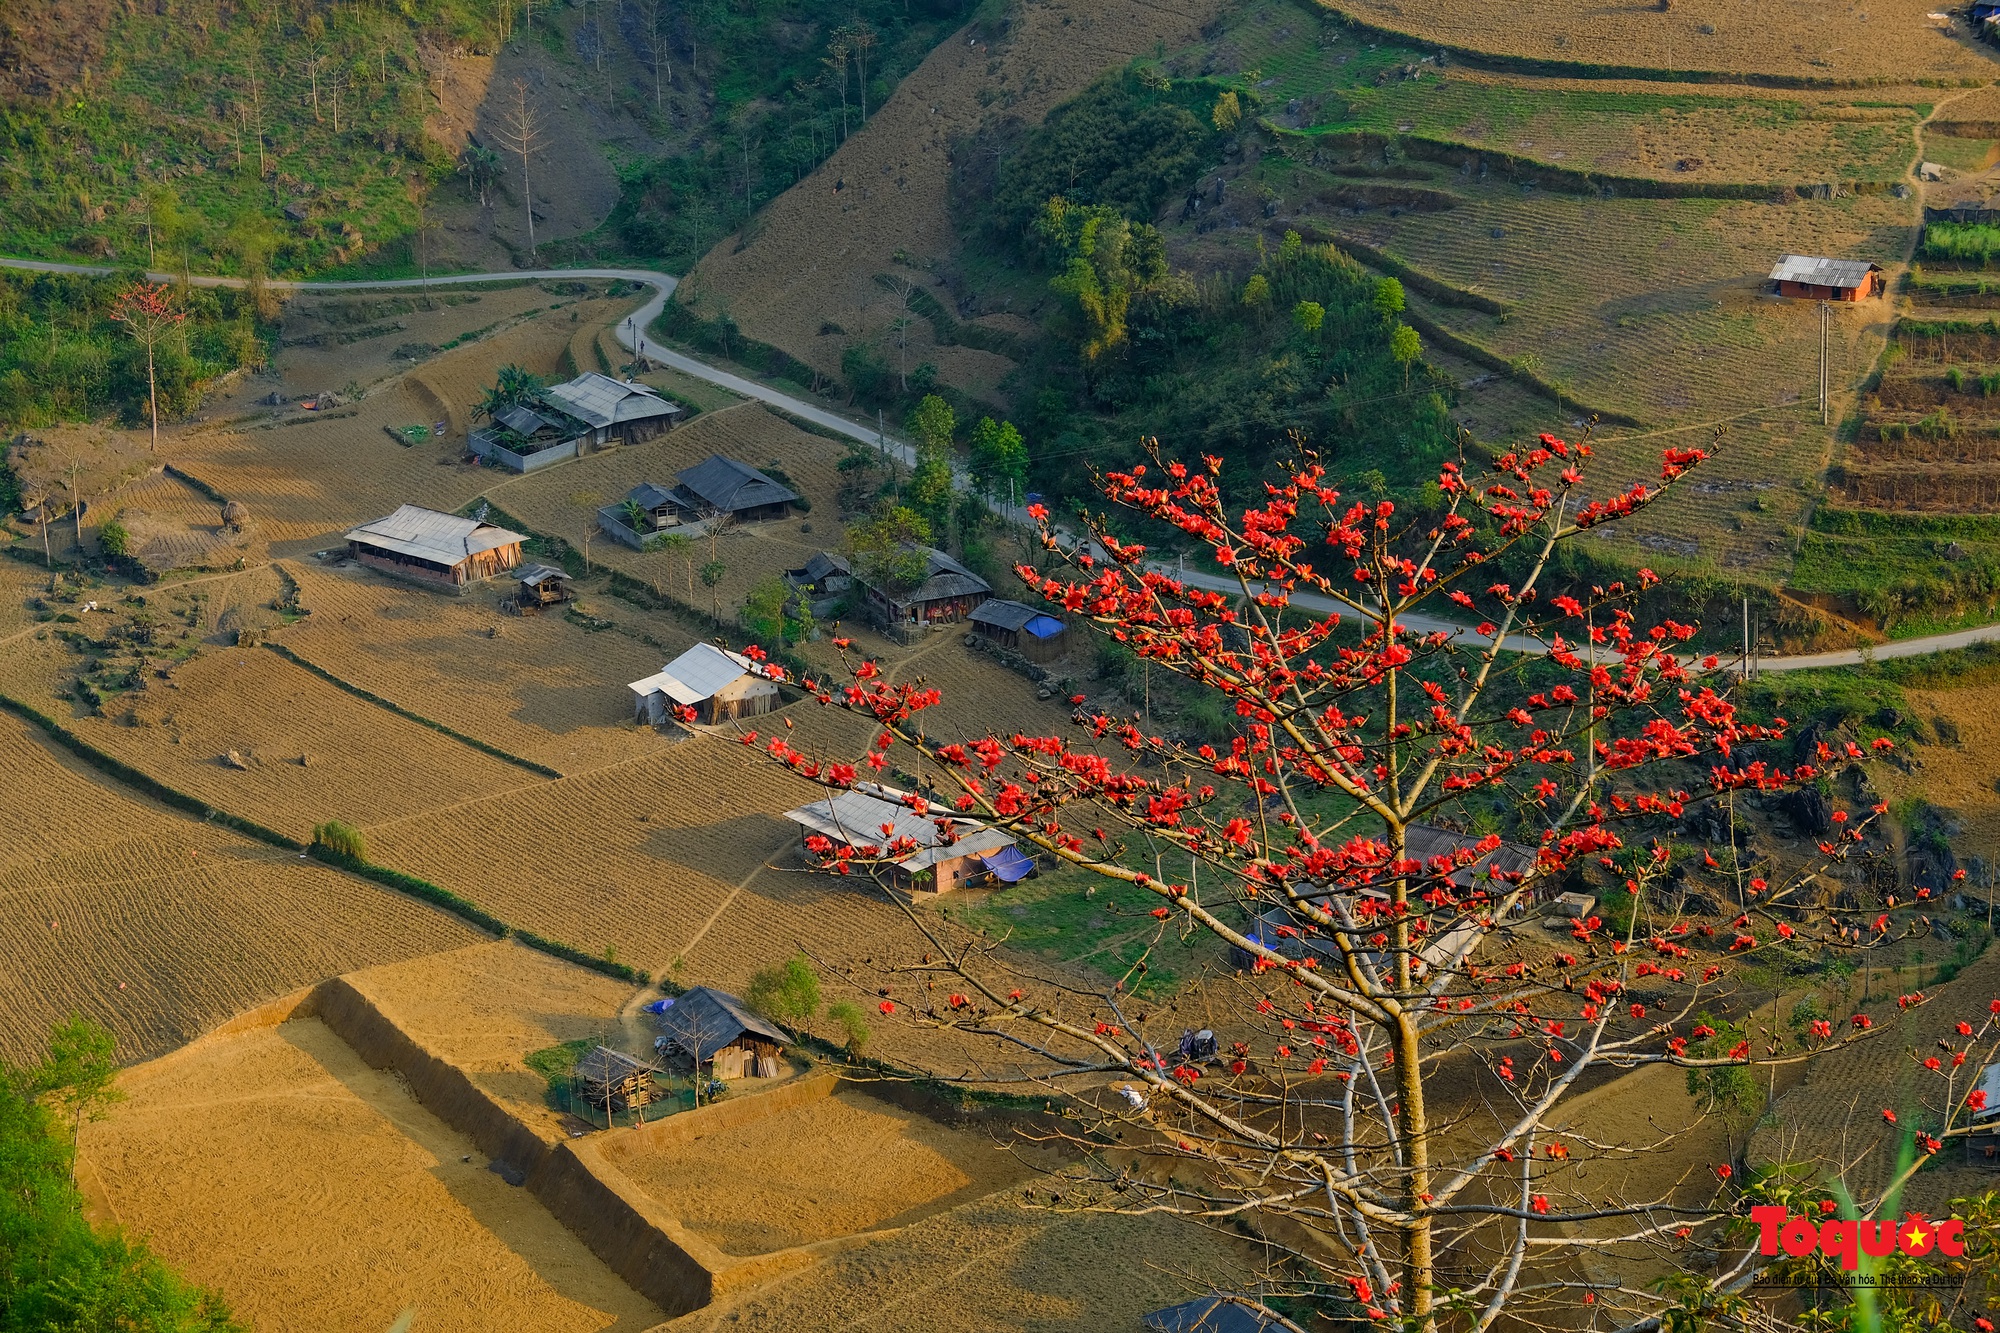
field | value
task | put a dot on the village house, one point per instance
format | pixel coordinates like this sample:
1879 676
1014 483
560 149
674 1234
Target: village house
715 1030
1808 278
718 684
822 584
1278 930
442 550
1018 627
613 411
947 595
974 854
725 486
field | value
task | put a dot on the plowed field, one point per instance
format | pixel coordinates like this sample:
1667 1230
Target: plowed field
193 922
363 763
535 686
319 1197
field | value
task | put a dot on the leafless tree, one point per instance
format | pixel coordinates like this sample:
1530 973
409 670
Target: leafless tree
861 39
521 134
659 50
837 55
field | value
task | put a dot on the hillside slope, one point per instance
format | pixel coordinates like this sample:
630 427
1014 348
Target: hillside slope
812 258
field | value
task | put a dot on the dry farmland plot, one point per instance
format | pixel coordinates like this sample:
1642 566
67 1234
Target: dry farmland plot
309 479
996 1263
193 922
563 500
364 764
831 1167
535 686
319 1197
1789 37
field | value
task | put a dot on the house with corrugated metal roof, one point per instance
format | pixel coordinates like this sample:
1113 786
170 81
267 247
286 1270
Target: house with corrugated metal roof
443 550
725 486
613 411
944 852
947 594
1018 627
718 684
1811 278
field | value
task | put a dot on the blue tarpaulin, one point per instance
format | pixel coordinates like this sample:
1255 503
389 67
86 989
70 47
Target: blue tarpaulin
1044 627
660 1006
1008 864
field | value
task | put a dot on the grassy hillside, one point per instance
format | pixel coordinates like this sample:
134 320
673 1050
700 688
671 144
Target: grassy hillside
211 136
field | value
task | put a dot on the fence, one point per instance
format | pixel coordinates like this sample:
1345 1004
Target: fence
487 446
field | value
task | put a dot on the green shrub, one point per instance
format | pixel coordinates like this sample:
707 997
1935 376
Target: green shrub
340 838
853 1024
787 993
1955 378
115 539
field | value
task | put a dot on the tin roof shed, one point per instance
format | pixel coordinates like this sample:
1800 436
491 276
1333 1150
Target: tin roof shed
426 534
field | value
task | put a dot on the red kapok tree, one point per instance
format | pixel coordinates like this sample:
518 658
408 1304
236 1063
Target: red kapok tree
1384 1100
149 311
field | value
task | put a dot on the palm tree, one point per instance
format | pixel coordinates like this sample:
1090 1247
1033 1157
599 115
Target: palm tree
511 386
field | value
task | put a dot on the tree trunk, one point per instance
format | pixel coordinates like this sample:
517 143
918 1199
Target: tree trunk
152 399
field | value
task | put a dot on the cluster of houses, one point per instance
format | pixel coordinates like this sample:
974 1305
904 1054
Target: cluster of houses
579 416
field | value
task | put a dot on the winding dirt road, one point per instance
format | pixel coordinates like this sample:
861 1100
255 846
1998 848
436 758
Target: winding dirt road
630 333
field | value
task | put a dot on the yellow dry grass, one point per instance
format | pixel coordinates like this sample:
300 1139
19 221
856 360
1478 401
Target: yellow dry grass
535 686
160 926
1790 37
831 1167
319 1197
363 763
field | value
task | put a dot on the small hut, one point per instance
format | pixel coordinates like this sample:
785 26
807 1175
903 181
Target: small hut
713 1028
235 515
825 575
543 585
1018 627
1811 278
1208 1314
613 1080
718 684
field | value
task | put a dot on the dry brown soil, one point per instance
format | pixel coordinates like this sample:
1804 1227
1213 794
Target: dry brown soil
319 1197
814 252
160 926
831 1167
1793 37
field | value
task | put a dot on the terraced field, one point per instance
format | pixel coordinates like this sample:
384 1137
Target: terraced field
160 926
535 686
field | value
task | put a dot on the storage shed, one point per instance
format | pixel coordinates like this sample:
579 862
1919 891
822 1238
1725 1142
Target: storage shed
736 489
543 585
714 1029
615 411
1035 635
718 684
443 550
947 595
612 1081
872 817
1810 278
824 575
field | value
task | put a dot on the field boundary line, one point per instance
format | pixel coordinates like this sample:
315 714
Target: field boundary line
358 692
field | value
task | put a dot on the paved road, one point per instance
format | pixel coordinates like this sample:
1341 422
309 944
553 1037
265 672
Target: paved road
630 334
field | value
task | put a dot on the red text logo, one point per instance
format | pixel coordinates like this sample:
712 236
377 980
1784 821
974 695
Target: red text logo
1849 1240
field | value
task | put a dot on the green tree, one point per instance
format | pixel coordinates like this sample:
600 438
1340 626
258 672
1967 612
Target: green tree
933 422
1308 316
1227 113
884 548
1257 291
788 993
512 386
1291 247
1106 261
999 458
1405 346
78 1074
1389 299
